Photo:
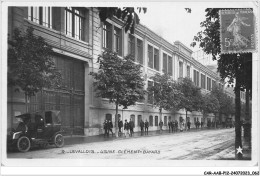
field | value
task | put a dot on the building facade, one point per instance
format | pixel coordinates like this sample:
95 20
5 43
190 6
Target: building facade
78 37
207 60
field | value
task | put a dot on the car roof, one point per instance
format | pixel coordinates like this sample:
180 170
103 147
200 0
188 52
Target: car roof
29 114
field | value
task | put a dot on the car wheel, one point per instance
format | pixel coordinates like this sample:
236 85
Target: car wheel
58 140
23 144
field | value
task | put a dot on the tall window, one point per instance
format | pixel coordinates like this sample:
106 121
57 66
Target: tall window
139 118
133 118
167 64
203 81
131 45
106 36
139 51
170 65
156 120
153 57
150 120
165 67
156 59
196 77
74 19
208 84
150 56
41 15
181 69
118 40
188 71
165 121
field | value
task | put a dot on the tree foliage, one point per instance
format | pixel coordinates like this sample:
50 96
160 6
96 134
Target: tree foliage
118 79
127 14
165 92
30 63
226 106
210 104
192 97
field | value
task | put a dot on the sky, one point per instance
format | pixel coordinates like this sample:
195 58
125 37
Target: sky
173 23
170 20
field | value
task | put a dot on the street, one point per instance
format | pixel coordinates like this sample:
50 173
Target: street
214 144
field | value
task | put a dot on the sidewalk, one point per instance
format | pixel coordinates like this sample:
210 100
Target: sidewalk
75 139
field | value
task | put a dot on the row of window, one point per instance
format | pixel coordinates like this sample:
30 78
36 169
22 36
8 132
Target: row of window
74 19
210 82
152 121
112 39
135 48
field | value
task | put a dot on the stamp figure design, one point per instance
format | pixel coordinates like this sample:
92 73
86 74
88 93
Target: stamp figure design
235 27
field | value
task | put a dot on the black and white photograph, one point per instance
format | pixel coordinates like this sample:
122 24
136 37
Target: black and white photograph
130 84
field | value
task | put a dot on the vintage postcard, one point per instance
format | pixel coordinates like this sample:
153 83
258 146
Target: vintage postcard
130 84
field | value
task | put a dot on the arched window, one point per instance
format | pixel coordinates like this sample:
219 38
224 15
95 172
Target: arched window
150 120
156 120
109 117
133 118
165 121
139 118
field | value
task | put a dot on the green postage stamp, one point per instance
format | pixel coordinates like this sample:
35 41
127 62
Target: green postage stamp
237 31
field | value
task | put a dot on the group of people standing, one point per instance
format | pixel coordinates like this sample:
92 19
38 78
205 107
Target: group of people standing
108 126
173 126
144 127
128 127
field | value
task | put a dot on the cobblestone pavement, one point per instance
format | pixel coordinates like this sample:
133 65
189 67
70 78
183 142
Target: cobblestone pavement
200 145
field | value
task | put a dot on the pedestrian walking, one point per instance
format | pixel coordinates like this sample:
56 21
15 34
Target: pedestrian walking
131 127
120 125
110 127
170 125
126 128
198 124
105 126
161 125
176 126
188 125
201 124
142 127
146 126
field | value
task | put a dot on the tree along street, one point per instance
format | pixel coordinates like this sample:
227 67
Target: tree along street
198 145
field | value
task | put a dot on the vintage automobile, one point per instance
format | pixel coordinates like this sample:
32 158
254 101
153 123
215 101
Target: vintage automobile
36 129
